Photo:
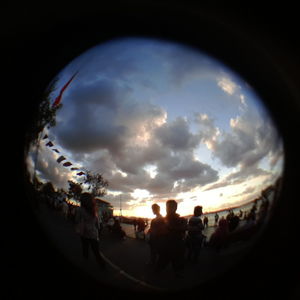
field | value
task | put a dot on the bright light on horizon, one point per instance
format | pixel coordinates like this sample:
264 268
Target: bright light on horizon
211 200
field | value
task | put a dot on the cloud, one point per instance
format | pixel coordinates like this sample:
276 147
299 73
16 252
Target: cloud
185 64
207 131
176 135
48 169
104 116
244 174
227 85
249 190
252 138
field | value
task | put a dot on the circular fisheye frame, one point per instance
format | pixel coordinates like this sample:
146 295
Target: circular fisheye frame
154 165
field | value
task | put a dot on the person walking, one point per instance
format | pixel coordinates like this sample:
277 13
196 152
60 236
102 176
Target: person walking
194 236
140 232
173 246
156 233
87 226
216 219
219 238
117 230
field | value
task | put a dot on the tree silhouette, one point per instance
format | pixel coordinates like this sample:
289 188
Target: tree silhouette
75 190
97 184
45 116
48 189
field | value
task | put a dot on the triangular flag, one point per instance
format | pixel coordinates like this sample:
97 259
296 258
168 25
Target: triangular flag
49 144
60 159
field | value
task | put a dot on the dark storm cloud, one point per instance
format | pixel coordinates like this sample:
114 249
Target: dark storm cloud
88 122
177 135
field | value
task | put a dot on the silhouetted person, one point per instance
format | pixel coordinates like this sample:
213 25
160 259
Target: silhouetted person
263 211
233 223
216 219
195 237
110 223
220 236
156 234
134 223
173 246
241 214
117 230
100 220
205 221
229 215
87 226
65 209
252 214
141 226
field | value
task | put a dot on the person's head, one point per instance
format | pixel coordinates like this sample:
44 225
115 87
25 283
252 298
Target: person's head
198 211
156 209
171 207
223 223
88 202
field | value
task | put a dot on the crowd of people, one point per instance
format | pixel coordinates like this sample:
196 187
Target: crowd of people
174 239
171 238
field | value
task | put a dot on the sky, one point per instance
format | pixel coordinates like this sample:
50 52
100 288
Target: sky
160 120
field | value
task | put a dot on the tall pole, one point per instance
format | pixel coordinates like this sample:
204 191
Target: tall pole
121 205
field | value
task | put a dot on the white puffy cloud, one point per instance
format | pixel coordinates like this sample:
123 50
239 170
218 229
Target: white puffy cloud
227 85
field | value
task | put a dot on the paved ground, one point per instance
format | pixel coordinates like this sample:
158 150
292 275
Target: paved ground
127 259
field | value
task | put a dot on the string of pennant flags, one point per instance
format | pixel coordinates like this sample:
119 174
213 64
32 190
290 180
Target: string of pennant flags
50 144
62 158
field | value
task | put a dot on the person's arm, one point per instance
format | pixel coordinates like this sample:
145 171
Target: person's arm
151 226
200 225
